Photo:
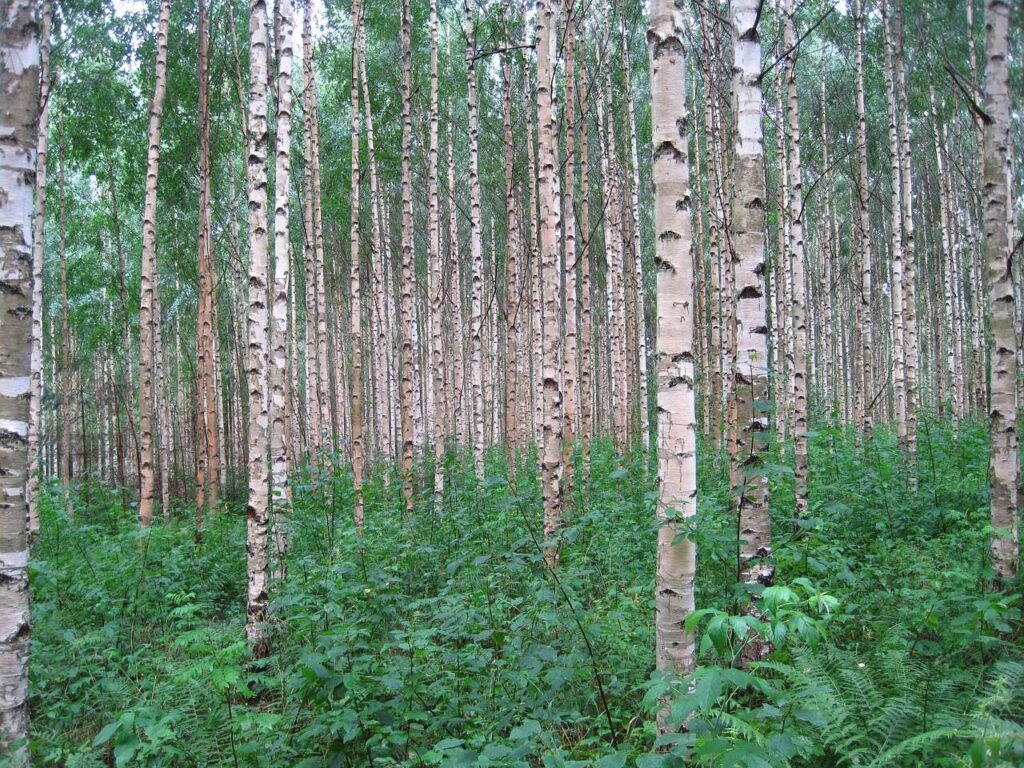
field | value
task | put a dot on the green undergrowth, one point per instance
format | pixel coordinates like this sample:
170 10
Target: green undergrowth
440 638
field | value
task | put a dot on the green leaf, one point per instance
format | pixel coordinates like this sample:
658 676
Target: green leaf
617 760
526 730
449 744
104 735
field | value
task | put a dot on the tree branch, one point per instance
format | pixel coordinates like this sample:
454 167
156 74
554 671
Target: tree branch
506 49
794 46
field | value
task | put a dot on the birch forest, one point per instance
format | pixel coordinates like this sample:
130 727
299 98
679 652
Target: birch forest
538 383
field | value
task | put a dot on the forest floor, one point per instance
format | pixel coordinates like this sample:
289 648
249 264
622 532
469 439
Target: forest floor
443 640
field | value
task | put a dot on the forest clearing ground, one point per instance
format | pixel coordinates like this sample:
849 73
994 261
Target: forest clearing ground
443 640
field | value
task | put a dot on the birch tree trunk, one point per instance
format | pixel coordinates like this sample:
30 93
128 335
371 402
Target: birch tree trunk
476 250
782 284
319 351
910 350
380 255
536 308
162 406
458 356
294 425
258 327
895 205
865 320
280 460
355 284
208 433
512 286
67 413
586 314
570 373
612 218
639 281
147 369
1003 360
38 221
945 255
407 308
435 286
673 257
750 385
829 262
798 307
313 363
19 82
550 255
702 306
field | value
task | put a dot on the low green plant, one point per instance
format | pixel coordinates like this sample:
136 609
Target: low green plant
443 639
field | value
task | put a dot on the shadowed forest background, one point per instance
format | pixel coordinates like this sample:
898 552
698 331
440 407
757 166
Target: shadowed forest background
554 384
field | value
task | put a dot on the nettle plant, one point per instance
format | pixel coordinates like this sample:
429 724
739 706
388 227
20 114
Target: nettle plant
730 711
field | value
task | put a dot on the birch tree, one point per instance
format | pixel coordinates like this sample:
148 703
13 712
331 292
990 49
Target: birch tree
512 286
550 255
207 427
280 461
673 256
750 386
571 373
38 220
896 227
476 252
865 321
355 284
798 306
434 284
407 308
909 280
1003 356
147 317
19 82
258 327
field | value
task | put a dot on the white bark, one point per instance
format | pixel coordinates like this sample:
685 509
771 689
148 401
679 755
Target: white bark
19 82
677 432
279 399
258 327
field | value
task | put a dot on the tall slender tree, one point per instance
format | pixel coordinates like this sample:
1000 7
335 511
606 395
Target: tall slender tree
586 336
865 319
911 351
380 254
512 285
639 281
280 461
147 317
571 371
455 292
258 328
550 255
750 386
19 82
355 281
314 397
896 232
673 257
435 285
408 264
476 250
38 220
207 427
798 305
1003 355
66 398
